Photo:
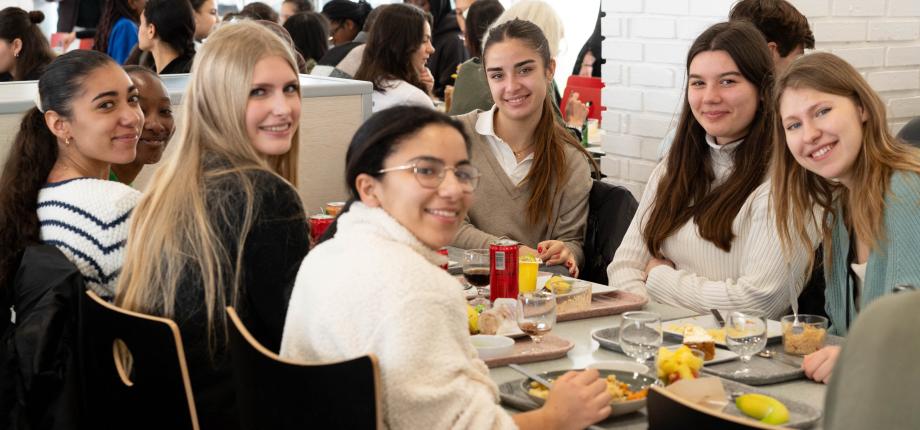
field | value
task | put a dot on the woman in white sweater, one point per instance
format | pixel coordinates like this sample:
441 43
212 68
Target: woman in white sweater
704 235
55 188
377 288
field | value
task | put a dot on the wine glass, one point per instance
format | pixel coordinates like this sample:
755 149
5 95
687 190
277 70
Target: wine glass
640 335
536 315
745 335
476 272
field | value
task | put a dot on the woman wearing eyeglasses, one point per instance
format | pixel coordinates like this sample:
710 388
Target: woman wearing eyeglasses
376 287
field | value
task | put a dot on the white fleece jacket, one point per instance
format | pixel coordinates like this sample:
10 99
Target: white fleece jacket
375 288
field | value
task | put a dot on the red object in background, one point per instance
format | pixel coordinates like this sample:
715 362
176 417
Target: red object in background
443 251
503 269
589 90
318 225
82 43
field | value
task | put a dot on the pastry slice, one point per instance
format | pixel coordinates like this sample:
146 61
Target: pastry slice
696 337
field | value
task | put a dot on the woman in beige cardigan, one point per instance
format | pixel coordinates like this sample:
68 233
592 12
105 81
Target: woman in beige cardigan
536 176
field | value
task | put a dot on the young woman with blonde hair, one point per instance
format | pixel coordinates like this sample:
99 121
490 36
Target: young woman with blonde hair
704 235
537 177
833 151
221 223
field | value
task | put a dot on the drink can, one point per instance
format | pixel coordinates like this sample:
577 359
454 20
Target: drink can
443 251
503 269
334 208
318 225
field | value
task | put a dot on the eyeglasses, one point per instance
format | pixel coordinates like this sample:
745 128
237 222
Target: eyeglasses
431 173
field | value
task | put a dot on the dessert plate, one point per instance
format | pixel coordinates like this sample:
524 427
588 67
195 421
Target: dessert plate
675 328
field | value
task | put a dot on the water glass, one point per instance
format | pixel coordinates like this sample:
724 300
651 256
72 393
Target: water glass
536 314
745 335
640 335
476 272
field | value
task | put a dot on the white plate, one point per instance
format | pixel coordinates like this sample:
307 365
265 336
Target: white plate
722 355
595 288
673 327
622 365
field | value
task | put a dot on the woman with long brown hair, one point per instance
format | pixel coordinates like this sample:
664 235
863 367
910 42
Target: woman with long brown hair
833 151
704 235
536 176
24 51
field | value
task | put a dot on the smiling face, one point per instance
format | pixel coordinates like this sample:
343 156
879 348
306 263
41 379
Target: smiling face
420 56
823 131
518 78
273 109
433 215
720 97
106 120
205 18
159 124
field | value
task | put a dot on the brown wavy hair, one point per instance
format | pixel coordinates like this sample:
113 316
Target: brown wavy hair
686 191
396 34
797 191
548 174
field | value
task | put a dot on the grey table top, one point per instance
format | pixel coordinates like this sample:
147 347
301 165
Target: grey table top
588 351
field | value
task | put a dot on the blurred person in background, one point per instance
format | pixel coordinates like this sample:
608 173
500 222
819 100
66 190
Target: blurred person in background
258 10
350 64
346 20
290 8
117 31
167 31
205 18
447 40
309 31
24 50
471 78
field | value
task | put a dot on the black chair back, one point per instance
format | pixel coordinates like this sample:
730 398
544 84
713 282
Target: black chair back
610 210
153 391
669 412
811 300
910 133
279 394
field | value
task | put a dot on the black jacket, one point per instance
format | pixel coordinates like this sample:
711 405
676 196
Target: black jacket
449 51
39 387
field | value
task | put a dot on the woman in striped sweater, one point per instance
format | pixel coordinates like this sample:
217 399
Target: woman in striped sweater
703 236
834 151
54 188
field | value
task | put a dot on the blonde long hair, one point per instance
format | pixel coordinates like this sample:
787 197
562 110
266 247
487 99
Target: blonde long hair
173 225
796 191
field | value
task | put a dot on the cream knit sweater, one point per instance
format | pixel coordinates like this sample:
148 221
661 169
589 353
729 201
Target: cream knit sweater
374 288
753 275
501 206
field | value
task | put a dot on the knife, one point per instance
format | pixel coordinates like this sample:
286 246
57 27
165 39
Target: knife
718 316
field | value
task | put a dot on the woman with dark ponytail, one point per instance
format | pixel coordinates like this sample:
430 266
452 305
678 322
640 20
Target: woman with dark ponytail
53 188
167 31
117 31
536 176
24 51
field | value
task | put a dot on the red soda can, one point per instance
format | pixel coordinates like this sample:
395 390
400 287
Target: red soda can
443 251
503 269
318 225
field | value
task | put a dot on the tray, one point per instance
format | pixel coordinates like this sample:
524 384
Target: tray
766 371
604 304
553 347
608 338
801 415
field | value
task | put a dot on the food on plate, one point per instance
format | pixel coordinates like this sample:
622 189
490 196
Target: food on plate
803 338
678 364
473 317
618 390
499 319
763 408
695 337
578 300
718 334
558 285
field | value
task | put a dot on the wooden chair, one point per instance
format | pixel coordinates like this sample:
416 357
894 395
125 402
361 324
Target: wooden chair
154 391
276 393
667 411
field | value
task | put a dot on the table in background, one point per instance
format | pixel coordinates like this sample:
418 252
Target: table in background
456 254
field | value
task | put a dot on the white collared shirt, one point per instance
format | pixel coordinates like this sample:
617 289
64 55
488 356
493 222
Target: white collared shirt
722 158
516 171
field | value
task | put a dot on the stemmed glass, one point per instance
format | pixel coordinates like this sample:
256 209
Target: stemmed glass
745 335
536 315
640 335
476 272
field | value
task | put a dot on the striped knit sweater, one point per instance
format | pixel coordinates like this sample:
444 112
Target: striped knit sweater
753 275
87 219
897 261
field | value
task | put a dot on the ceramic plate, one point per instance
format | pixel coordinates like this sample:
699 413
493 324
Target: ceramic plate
675 328
636 382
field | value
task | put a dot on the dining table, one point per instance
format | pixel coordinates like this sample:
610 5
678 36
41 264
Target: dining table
587 351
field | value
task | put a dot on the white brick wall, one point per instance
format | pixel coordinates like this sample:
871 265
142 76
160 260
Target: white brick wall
646 45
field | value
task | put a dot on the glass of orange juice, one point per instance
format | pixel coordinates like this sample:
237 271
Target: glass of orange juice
528 266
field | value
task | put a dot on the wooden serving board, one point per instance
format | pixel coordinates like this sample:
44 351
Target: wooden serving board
604 304
551 348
